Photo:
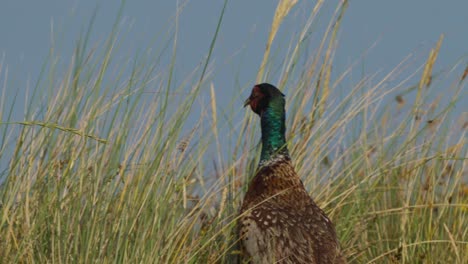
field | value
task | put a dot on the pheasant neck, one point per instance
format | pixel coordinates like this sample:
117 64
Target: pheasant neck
273 134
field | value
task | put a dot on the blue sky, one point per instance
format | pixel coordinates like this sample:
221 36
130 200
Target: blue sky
397 28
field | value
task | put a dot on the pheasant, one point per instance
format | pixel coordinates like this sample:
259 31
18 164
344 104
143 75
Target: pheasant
279 221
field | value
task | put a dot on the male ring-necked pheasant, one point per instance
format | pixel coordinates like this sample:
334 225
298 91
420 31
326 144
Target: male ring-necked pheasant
280 223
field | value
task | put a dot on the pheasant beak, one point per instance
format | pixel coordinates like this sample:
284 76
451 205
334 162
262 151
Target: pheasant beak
247 102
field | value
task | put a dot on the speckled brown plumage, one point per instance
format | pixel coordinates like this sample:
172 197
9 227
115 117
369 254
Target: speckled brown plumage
280 223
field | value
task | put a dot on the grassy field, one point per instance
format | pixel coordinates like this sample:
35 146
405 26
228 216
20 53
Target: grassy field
114 166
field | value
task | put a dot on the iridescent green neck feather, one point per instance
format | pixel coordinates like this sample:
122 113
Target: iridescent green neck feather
273 130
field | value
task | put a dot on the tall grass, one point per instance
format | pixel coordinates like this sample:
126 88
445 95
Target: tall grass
118 165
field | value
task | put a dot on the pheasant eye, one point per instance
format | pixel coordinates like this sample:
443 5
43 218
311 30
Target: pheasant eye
256 95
